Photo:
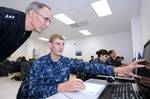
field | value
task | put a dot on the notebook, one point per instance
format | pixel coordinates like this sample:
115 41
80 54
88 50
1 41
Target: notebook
92 88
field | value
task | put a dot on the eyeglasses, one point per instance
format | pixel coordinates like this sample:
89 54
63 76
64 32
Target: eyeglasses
45 18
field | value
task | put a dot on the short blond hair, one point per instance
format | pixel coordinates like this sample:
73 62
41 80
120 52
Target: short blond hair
55 36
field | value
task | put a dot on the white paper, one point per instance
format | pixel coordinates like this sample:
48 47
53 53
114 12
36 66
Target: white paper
92 88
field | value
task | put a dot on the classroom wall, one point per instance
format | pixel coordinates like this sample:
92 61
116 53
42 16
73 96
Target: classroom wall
31 48
121 42
140 28
145 20
137 39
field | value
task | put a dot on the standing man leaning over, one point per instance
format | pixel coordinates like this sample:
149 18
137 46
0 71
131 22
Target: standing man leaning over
50 73
16 26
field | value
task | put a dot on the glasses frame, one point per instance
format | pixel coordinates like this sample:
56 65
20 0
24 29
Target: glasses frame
45 18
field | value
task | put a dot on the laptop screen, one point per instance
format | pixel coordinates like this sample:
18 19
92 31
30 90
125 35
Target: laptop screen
145 72
147 50
144 82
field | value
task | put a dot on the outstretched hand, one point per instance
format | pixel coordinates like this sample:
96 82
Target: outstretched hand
127 71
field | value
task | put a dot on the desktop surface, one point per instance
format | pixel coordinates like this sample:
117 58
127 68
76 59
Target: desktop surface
79 95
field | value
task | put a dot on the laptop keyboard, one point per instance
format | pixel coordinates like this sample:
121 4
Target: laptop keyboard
118 91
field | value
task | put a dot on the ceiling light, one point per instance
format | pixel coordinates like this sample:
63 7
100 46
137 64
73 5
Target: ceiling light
43 39
85 32
65 19
102 8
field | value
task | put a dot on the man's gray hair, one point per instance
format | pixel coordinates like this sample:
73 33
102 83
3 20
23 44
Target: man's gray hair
36 6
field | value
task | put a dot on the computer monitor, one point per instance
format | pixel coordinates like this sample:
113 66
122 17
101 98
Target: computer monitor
147 50
144 82
146 55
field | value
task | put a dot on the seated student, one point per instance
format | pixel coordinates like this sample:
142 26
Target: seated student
25 67
119 60
50 73
101 59
111 59
102 56
92 59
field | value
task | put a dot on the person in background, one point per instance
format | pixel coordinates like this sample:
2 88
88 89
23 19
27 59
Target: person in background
92 59
16 26
50 73
102 56
25 67
119 60
111 59
101 59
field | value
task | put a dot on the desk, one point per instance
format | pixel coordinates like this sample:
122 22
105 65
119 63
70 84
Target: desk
78 95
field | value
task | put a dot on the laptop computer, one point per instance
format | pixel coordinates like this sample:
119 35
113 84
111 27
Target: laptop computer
127 90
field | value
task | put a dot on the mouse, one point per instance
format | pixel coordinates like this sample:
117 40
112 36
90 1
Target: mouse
110 79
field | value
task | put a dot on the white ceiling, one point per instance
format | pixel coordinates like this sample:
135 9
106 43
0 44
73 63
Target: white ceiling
82 12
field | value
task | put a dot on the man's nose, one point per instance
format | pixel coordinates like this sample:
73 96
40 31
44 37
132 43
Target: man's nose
62 46
47 24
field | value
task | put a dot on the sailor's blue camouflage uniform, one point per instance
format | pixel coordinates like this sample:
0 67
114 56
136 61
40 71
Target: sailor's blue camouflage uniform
45 75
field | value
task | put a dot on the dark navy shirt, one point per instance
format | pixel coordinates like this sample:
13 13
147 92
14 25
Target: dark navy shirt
12 31
97 60
45 74
111 61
